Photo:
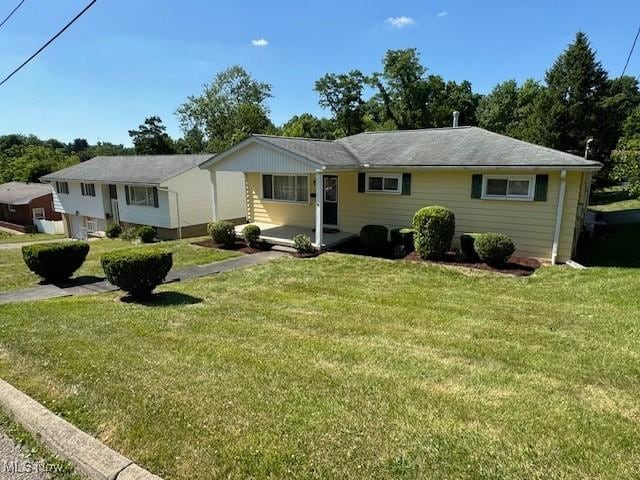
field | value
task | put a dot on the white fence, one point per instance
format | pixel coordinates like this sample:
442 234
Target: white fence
49 226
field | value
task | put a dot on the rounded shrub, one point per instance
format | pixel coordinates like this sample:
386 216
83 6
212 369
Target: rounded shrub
113 231
402 236
374 237
251 234
302 243
222 233
129 233
494 248
146 234
137 270
55 261
433 229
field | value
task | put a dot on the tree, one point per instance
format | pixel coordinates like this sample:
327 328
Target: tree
151 138
230 108
342 94
192 142
626 163
497 111
631 126
28 163
306 125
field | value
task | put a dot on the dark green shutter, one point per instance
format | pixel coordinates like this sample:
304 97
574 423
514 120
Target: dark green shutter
476 186
406 184
542 185
82 188
362 179
267 186
126 194
155 197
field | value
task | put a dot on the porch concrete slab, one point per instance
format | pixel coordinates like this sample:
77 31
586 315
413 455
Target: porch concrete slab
283 234
34 293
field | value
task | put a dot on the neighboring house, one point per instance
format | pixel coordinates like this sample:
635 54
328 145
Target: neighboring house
493 183
168 192
23 206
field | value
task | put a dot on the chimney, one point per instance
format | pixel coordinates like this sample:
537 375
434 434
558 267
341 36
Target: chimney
456 118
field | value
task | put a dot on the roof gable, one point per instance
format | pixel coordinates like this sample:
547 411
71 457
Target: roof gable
19 193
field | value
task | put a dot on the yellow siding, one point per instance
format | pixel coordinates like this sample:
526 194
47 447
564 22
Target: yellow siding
530 224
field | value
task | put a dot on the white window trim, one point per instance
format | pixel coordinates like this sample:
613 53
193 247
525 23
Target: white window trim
397 176
275 200
12 208
88 188
521 198
59 189
33 213
147 204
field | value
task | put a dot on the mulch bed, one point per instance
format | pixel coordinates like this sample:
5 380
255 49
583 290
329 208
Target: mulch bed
239 246
518 266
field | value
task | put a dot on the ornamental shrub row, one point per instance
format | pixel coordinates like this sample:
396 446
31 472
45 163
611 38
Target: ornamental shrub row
137 270
55 261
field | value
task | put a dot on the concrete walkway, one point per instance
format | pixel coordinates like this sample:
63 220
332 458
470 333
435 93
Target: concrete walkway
16 465
93 285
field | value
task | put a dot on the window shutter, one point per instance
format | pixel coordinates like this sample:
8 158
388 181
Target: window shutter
362 179
82 188
406 184
126 194
476 186
542 185
155 197
267 186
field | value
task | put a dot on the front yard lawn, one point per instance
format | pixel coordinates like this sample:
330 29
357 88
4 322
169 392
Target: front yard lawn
14 273
613 199
6 237
348 367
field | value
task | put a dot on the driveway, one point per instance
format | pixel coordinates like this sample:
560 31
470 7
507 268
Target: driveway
15 465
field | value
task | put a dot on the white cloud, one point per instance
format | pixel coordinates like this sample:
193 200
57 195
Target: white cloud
259 42
400 22
442 14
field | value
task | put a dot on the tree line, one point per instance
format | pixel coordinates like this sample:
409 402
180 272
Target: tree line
577 101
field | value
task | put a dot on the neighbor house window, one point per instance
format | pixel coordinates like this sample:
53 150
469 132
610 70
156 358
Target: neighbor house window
62 187
143 196
88 189
12 208
514 187
38 213
286 188
384 183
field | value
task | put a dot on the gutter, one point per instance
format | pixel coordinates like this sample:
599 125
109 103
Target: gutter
559 213
474 168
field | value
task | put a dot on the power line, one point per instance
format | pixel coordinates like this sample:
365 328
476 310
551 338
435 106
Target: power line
12 12
631 52
49 42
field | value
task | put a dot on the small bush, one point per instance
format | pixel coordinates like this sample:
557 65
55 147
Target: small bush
494 248
137 270
374 237
129 233
113 231
402 236
222 233
467 247
55 261
251 234
302 243
146 234
433 229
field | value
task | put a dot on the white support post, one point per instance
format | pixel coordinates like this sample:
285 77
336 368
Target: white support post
214 193
319 206
559 213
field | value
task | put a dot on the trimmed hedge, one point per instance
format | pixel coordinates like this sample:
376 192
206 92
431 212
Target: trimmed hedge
222 233
146 234
302 243
404 237
433 229
113 231
374 237
55 261
137 270
494 248
467 246
251 234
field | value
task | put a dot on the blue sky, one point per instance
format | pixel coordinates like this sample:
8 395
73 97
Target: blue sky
128 59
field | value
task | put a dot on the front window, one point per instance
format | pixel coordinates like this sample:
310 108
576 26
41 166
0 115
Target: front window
62 187
38 213
286 188
12 208
141 196
383 183
514 187
88 189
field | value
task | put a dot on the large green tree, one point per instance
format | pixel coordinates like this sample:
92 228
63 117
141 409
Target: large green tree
27 162
309 126
342 94
230 108
151 138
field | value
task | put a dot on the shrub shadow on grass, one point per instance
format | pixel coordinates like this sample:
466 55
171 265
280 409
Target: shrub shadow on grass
611 246
77 281
163 299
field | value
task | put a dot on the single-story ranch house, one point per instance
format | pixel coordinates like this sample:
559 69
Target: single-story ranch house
25 205
168 192
493 183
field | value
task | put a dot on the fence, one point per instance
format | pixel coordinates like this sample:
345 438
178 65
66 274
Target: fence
49 226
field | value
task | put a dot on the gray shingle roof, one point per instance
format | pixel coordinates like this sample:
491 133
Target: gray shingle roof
18 193
146 169
323 152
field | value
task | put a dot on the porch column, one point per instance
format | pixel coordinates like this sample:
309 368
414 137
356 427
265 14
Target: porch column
319 213
214 193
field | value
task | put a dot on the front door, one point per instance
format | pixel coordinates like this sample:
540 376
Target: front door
330 203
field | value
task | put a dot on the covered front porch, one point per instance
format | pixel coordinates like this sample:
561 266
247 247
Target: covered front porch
283 234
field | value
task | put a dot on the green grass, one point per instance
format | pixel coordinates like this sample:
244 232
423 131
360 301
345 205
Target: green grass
611 246
6 237
14 274
348 367
613 199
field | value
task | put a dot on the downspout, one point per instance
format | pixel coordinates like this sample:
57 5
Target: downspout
165 189
559 213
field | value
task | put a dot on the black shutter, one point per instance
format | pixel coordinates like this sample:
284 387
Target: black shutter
542 185
155 197
82 188
126 194
406 184
267 186
362 179
476 186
